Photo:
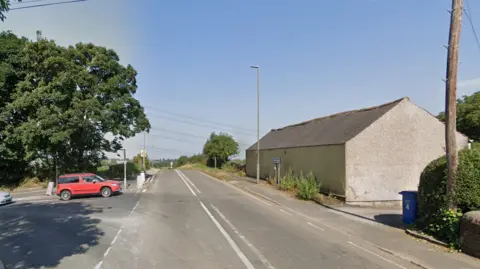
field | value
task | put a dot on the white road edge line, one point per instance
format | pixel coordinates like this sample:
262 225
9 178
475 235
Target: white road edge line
231 186
189 181
285 212
324 224
107 251
315 226
230 241
262 258
375 254
99 265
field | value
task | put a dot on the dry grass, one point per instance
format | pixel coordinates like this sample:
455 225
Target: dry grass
217 173
27 183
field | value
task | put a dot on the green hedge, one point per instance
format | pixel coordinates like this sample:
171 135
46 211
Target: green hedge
434 218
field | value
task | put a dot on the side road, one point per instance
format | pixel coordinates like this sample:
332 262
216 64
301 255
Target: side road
386 238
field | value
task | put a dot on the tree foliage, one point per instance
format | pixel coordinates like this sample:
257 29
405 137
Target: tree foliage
221 146
4 7
468 115
59 103
435 217
139 161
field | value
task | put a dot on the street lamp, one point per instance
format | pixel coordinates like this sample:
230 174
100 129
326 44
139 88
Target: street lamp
124 169
258 121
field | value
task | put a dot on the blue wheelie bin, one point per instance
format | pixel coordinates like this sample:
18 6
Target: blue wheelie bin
409 206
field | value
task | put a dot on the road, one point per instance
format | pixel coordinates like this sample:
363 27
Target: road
188 220
183 219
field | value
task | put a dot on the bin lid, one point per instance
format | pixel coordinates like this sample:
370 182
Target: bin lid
408 192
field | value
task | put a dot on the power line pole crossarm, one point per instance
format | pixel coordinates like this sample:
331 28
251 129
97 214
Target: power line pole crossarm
451 99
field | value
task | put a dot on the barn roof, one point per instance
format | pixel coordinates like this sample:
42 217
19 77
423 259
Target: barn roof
330 130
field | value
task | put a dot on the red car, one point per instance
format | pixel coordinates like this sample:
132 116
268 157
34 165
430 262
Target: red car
85 183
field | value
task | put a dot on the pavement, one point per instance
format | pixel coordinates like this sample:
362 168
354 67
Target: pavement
185 219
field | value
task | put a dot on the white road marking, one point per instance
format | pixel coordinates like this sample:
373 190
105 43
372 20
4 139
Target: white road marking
324 224
230 241
107 251
189 181
114 240
105 254
231 186
313 225
244 239
99 265
285 212
184 177
188 186
375 254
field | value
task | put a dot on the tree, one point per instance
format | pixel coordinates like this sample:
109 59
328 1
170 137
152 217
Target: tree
4 8
64 101
468 116
220 148
138 159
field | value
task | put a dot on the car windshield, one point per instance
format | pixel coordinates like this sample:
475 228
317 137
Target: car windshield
98 178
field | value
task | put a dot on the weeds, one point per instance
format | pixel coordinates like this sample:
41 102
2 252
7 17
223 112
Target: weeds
307 187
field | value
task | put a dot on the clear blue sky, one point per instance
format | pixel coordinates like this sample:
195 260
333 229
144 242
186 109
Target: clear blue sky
316 58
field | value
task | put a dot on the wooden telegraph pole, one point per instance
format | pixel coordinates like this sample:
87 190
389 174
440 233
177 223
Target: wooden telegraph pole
451 99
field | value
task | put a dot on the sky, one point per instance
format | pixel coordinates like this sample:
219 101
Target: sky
316 58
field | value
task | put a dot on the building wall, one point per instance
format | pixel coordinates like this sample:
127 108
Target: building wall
389 155
326 162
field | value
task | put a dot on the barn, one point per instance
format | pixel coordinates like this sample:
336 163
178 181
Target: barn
366 156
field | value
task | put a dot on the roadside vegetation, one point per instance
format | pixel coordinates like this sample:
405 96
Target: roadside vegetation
434 216
58 105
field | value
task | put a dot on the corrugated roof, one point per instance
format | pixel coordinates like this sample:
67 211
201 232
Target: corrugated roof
330 130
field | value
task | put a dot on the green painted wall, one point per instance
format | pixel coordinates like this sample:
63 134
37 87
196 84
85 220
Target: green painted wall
326 162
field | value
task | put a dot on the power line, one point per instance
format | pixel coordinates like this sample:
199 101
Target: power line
184 140
199 119
209 126
48 4
470 20
178 133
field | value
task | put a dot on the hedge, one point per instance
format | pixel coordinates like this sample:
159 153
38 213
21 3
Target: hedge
434 217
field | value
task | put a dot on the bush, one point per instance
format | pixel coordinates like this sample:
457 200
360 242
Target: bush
307 187
445 225
288 182
434 218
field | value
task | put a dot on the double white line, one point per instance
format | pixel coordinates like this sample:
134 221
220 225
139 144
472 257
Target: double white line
185 179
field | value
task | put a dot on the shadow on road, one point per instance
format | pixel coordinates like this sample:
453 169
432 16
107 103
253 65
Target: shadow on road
41 235
393 220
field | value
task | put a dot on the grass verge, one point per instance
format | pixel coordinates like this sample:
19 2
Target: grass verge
27 183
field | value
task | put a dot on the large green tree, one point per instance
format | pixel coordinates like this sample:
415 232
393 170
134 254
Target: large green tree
468 115
220 147
65 102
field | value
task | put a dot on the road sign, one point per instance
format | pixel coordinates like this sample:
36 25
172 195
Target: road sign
276 160
143 153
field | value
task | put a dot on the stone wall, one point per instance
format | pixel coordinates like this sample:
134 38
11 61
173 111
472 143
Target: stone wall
470 233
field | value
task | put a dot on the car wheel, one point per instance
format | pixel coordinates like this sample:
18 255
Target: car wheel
106 192
66 195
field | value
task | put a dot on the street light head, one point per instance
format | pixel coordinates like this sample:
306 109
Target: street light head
254 66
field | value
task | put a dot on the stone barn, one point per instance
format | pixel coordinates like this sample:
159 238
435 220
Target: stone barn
366 156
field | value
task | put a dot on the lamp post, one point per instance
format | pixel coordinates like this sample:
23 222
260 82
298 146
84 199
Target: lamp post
258 121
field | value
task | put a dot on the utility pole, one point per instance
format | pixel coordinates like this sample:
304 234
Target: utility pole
451 99
144 149
258 121
124 169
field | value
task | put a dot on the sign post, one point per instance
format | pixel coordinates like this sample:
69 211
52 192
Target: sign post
276 162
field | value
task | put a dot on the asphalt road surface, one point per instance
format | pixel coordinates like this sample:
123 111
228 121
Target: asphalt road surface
182 220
